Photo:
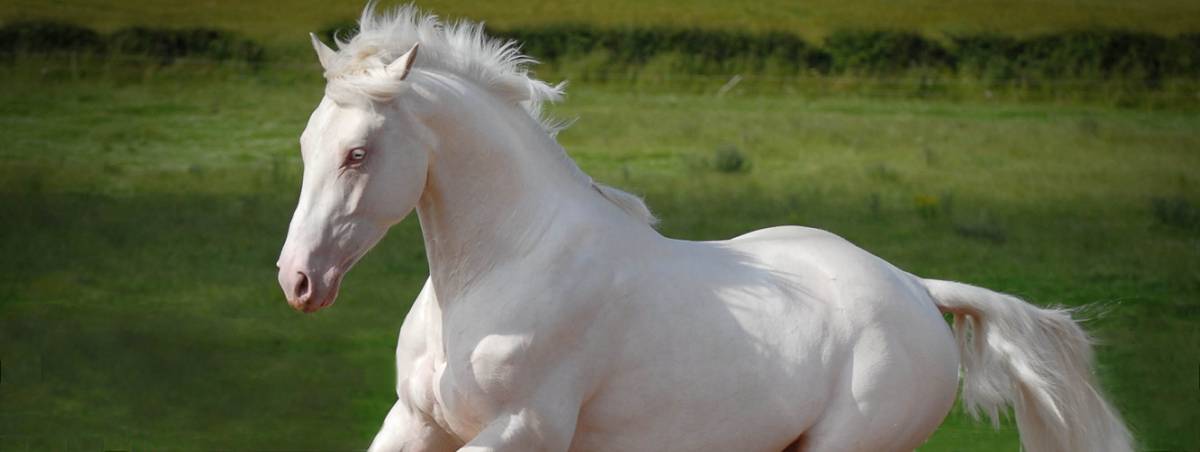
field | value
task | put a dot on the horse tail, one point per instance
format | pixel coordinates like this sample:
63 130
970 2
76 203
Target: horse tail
1037 360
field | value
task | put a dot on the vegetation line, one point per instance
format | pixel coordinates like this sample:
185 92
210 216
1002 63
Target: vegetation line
1114 66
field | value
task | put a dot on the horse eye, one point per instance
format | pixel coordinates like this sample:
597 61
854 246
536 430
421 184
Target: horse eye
357 155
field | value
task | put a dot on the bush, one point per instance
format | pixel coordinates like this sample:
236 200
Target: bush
700 51
166 45
730 159
1082 55
47 37
1126 61
1175 211
984 229
884 52
1094 55
988 57
162 44
1185 52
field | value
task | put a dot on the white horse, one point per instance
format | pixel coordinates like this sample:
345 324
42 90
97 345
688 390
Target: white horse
556 318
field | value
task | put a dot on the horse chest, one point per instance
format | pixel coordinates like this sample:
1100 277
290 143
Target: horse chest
479 381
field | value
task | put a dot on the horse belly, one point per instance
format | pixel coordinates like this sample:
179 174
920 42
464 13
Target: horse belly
732 372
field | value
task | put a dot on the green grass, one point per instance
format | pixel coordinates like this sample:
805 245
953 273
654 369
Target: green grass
141 210
814 19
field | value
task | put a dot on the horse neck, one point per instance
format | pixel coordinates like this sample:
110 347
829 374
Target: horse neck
499 190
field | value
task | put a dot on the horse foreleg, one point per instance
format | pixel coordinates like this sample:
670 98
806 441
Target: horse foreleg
406 431
528 429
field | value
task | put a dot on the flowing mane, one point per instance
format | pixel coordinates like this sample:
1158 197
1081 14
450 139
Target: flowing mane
461 48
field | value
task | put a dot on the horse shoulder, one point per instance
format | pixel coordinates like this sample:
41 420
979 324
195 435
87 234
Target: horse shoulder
514 342
414 338
418 353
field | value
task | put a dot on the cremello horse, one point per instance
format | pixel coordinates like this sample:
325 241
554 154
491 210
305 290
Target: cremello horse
556 318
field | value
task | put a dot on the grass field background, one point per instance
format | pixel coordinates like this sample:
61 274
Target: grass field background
142 208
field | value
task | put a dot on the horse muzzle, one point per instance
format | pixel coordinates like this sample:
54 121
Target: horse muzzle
308 291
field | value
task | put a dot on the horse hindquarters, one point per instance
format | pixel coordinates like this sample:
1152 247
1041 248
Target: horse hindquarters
895 375
895 390
1038 361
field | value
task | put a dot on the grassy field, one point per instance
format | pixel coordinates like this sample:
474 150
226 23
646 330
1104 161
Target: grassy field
142 209
141 212
813 19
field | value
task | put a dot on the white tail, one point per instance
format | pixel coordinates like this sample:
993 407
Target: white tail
1036 360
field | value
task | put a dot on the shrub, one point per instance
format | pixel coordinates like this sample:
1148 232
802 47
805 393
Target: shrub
166 45
984 229
46 37
700 51
1093 54
1124 60
988 57
1079 55
1175 211
883 52
730 159
162 44
1185 54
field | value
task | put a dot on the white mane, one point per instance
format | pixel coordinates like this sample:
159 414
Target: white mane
461 48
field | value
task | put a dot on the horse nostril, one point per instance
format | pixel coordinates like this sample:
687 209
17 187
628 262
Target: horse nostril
302 286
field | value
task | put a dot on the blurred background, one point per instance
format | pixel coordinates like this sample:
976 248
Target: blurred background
149 166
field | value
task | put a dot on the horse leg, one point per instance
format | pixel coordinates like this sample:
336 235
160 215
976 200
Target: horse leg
407 431
892 397
545 422
856 431
528 429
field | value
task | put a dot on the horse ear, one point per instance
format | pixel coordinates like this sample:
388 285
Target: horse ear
324 54
403 65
